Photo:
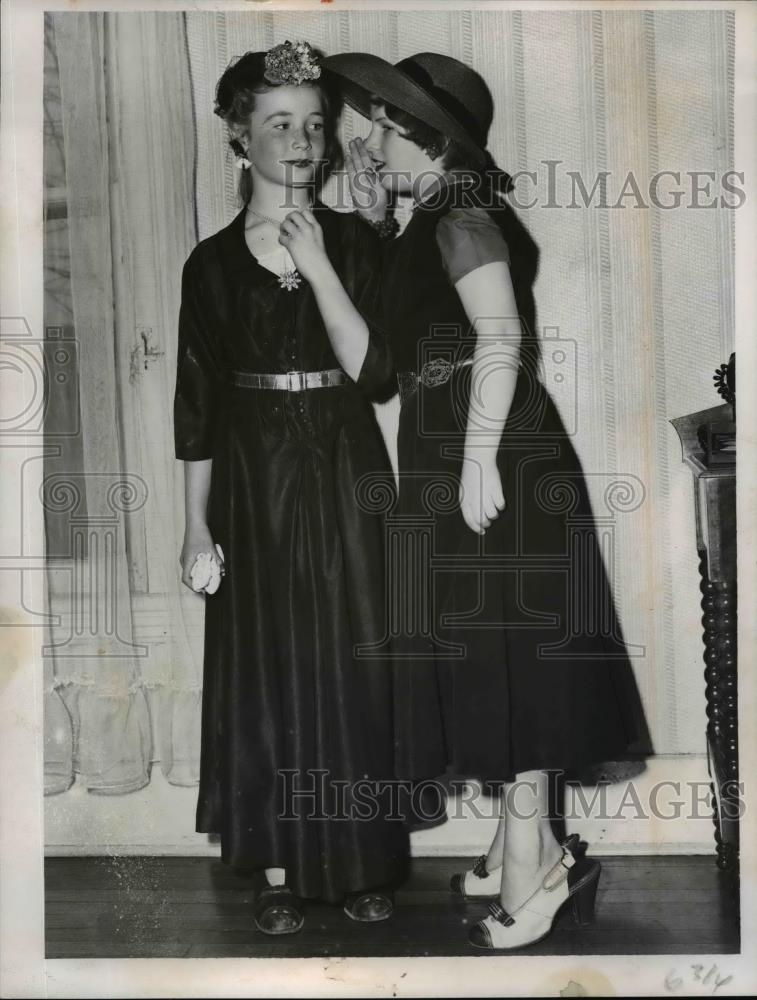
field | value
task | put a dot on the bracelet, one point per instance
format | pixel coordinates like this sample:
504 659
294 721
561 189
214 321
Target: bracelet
387 228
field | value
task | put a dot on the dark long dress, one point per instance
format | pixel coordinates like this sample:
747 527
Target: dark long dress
288 706
533 674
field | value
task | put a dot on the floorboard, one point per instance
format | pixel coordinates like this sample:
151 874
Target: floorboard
160 907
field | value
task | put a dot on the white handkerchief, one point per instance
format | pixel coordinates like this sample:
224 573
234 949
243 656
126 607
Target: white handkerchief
205 573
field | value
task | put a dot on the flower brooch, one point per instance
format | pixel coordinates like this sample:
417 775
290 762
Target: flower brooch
291 63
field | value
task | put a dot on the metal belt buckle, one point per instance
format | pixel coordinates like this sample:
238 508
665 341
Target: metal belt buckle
408 384
299 384
436 372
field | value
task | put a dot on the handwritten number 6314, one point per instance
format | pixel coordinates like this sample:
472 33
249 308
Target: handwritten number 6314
709 977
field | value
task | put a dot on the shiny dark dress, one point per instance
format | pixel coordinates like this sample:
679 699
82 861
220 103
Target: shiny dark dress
287 704
522 666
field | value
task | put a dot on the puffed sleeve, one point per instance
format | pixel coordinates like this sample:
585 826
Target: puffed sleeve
468 237
376 374
198 376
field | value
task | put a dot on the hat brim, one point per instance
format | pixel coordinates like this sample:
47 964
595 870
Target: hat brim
362 76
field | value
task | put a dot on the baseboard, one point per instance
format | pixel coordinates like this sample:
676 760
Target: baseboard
159 819
209 850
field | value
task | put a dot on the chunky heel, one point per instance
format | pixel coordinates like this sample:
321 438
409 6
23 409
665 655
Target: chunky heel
583 901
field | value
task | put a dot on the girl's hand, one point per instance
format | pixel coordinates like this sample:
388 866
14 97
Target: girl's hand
302 235
481 496
368 193
197 539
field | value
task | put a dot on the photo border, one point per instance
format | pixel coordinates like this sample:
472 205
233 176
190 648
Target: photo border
25 972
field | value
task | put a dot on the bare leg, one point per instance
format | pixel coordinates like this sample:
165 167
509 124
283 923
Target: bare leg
484 883
494 857
530 847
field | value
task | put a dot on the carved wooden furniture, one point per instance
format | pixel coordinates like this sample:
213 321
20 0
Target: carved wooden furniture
715 502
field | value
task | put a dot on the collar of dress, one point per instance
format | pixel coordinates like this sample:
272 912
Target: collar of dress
455 176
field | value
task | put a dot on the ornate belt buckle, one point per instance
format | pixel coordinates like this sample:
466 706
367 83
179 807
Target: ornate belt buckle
436 372
408 384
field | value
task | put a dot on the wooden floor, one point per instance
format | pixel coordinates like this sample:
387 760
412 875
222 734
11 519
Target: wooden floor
151 907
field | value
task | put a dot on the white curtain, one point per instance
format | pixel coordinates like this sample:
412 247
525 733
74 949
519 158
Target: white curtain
129 141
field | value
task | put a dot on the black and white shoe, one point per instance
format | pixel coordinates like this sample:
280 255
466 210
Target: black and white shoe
478 883
570 881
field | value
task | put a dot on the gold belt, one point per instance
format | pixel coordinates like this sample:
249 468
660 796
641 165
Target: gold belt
288 381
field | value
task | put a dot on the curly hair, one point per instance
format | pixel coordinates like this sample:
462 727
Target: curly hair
241 81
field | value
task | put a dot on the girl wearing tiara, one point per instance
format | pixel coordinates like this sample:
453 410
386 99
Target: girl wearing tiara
275 435
517 677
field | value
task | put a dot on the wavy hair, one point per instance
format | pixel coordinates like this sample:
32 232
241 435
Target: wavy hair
236 91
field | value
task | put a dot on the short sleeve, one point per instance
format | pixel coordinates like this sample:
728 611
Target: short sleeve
468 238
198 377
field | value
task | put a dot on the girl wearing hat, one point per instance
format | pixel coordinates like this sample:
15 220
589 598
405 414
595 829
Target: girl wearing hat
502 692
275 436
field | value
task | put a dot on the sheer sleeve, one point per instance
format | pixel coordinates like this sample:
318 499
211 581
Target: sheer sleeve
376 375
198 377
468 238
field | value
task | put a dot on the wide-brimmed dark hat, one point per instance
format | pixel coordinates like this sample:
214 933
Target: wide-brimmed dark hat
440 91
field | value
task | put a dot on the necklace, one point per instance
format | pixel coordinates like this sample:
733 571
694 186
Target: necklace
265 218
291 278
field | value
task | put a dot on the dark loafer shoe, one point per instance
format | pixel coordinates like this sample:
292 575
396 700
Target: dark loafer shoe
277 911
369 907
